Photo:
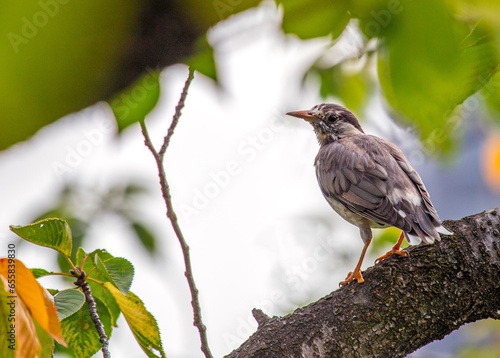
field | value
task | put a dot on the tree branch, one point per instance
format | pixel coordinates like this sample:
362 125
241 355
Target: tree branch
405 303
94 316
177 115
165 190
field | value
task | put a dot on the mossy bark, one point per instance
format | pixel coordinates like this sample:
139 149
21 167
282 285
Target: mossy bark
405 303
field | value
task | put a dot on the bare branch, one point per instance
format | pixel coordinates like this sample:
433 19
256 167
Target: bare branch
260 316
165 190
177 115
94 316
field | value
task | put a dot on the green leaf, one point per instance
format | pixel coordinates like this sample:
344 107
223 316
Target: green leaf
484 53
53 233
385 239
97 290
122 272
418 70
80 254
491 93
103 294
119 270
425 76
134 103
377 17
39 272
53 291
80 333
141 322
309 19
61 351
46 341
90 259
146 237
104 275
68 302
103 254
480 54
350 87
203 60
132 189
59 57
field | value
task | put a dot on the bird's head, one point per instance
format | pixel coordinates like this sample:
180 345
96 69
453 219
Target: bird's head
330 122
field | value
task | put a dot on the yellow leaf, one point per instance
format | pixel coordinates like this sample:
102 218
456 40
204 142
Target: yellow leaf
33 296
141 322
28 345
27 288
54 326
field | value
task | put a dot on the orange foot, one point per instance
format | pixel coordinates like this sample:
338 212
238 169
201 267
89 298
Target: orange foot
351 276
394 251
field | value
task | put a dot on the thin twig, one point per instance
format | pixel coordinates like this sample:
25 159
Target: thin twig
177 115
81 282
165 190
95 318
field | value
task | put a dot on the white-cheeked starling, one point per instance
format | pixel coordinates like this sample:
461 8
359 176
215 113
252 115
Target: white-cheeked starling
369 182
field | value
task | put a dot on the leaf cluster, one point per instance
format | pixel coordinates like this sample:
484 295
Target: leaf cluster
64 316
429 56
82 207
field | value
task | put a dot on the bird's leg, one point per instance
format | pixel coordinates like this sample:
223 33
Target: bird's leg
356 274
396 249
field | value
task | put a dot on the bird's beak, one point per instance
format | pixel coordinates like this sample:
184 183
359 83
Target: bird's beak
307 115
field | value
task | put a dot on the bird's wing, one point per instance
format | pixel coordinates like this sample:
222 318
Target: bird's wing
372 178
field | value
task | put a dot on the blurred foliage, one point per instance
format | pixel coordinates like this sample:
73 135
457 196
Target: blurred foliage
349 84
203 60
483 340
84 208
431 55
310 19
58 57
68 317
62 56
134 103
491 93
384 239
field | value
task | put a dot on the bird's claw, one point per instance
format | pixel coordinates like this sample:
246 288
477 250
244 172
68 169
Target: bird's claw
351 276
390 253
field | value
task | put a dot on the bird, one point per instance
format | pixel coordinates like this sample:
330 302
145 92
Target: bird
369 182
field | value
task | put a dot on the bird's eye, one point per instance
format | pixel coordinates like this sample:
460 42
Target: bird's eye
331 118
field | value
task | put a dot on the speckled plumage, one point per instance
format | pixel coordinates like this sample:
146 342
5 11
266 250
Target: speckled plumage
370 177
367 180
